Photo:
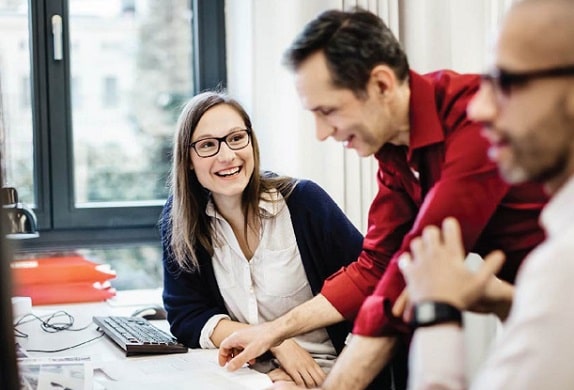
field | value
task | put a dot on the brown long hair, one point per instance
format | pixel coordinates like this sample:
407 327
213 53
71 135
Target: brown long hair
190 225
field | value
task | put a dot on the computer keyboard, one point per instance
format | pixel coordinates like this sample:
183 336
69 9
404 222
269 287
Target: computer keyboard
137 335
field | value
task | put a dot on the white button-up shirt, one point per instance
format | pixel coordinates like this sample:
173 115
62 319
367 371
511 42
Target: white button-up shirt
270 284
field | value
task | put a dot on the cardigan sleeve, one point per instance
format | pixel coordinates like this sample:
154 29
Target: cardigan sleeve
190 298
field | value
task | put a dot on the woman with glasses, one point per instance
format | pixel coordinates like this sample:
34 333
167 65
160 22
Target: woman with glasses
242 246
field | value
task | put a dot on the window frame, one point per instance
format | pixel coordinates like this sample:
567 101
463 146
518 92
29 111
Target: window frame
61 224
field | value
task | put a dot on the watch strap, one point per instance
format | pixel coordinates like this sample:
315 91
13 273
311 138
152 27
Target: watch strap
430 313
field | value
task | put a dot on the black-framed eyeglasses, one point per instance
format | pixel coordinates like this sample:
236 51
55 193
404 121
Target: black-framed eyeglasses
503 80
235 140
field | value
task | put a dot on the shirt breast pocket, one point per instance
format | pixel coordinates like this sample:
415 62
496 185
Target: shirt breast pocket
283 272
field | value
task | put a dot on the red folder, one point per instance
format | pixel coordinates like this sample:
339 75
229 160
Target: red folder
63 279
65 269
47 294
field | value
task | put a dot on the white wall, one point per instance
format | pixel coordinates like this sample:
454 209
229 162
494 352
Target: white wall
436 34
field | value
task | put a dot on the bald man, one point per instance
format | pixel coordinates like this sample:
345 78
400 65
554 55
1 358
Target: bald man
527 107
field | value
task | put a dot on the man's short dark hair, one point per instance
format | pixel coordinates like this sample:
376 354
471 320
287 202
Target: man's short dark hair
354 42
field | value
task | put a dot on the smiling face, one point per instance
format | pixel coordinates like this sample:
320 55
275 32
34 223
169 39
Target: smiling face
227 173
531 130
364 124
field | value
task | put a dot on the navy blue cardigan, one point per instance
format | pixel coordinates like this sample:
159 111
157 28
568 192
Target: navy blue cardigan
327 241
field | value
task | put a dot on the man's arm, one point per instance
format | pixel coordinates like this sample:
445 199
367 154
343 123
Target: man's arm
360 362
245 345
357 366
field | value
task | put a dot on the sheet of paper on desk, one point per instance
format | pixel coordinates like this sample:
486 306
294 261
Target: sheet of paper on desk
197 369
56 372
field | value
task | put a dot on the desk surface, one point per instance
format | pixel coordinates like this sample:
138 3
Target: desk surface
113 370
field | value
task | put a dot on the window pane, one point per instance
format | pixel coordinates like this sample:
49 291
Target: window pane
131 68
137 267
15 98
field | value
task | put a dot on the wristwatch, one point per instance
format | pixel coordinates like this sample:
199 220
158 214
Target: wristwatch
430 313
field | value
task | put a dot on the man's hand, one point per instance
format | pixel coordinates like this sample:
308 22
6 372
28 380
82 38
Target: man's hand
298 364
245 345
497 299
438 272
402 307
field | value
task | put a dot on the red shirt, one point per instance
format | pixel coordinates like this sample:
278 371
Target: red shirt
455 178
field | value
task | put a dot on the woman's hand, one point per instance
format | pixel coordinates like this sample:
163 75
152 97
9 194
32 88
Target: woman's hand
279 375
298 364
285 385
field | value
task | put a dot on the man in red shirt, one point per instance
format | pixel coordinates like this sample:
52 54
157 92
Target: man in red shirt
352 74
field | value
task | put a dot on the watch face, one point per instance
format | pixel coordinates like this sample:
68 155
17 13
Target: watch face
425 312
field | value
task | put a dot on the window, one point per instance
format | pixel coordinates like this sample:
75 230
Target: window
15 107
91 150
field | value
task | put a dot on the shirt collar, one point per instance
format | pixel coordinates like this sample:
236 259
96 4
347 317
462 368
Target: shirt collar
425 124
268 205
558 214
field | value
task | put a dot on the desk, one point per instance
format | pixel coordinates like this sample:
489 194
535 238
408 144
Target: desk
197 369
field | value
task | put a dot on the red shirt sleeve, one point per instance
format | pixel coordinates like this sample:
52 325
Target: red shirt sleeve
469 189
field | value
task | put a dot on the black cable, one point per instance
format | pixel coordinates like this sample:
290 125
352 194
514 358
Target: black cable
48 325
66 348
53 324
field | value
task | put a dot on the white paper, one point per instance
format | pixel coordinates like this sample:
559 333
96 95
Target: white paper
197 369
49 373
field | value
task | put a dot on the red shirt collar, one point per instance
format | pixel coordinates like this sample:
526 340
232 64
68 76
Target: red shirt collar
425 124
